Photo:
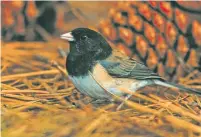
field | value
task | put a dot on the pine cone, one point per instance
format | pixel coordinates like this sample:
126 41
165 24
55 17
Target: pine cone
166 36
20 19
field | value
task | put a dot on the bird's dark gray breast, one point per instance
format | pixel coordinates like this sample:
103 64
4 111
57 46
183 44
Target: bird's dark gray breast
79 65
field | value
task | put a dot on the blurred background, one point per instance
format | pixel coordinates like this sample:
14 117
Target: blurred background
38 99
32 20
163 35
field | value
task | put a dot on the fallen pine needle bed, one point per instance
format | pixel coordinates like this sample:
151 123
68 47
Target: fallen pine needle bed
38 100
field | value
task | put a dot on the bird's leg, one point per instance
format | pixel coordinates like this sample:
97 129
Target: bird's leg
122 103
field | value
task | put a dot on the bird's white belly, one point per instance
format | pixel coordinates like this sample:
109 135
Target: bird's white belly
87 85
100 84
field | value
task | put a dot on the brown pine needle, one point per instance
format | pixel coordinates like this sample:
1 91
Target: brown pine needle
17 76
23 92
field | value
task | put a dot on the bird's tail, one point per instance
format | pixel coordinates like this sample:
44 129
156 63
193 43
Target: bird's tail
172 85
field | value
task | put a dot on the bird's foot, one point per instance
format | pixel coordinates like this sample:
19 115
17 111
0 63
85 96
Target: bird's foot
122 103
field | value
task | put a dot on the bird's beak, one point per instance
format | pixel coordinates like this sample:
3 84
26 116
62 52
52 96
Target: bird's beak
68 36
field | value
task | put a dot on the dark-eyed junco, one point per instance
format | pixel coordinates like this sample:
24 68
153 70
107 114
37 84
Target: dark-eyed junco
99 71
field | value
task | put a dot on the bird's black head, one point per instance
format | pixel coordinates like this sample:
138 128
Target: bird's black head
84 41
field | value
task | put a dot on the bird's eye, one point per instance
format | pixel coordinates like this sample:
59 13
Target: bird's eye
84 37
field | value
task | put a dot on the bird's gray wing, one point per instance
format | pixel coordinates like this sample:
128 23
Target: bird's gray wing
121 66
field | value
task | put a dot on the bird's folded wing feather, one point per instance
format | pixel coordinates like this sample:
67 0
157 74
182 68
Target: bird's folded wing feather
121 66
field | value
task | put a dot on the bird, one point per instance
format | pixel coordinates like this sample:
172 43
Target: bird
100 71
